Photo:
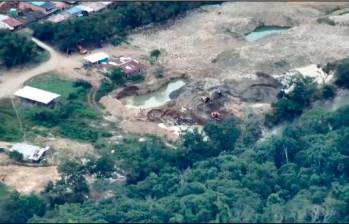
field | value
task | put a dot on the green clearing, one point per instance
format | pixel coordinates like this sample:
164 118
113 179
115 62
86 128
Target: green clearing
9 129
53 83
71 117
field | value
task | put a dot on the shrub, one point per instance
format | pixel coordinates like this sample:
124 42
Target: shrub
104 89
82 83
328 92
136 78
155 54
16 156
78 130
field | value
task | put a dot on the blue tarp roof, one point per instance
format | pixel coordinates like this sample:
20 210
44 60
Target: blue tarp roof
74 10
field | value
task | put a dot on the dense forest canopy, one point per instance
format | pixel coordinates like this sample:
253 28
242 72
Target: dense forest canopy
299 176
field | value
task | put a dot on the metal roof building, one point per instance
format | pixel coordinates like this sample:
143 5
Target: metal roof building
97 57
29 152
36 95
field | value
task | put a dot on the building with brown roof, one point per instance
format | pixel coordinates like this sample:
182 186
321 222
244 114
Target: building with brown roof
129 65
5 7
13 23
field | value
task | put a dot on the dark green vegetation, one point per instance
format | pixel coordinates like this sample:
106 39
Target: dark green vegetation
9 128
16 208
16 49
341 72
109 25
291 104
114 79
16 156
305 91
71 116
300 176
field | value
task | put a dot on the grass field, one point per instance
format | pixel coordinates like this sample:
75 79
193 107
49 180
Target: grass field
53 83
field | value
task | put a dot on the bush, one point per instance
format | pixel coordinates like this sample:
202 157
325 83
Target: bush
136 78
16 156
118 77
155 54
117 40
291 104
159 71
104 89
341 72
82 83
328 92
78 130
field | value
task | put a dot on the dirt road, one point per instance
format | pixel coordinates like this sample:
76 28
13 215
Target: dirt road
62 64
14 79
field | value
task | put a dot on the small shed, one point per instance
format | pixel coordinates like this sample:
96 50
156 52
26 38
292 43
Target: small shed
37 95
29 152
97 58
13 23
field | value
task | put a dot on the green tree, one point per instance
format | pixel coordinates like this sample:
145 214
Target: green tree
104 167
341 72
16 208
16 49
292 103
223 135
118 77
155 53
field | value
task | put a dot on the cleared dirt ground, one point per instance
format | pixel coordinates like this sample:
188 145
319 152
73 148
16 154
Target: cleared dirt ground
28 179
215 33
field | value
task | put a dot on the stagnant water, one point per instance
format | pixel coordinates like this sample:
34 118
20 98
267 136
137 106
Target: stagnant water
155 99
264 31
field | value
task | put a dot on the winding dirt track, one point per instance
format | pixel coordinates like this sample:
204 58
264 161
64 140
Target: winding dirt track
14 79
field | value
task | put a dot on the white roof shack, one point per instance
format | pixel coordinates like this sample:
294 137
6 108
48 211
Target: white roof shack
5 26
97 57
37 95
29 152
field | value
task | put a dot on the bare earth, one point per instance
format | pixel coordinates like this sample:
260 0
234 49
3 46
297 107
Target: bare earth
28 179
